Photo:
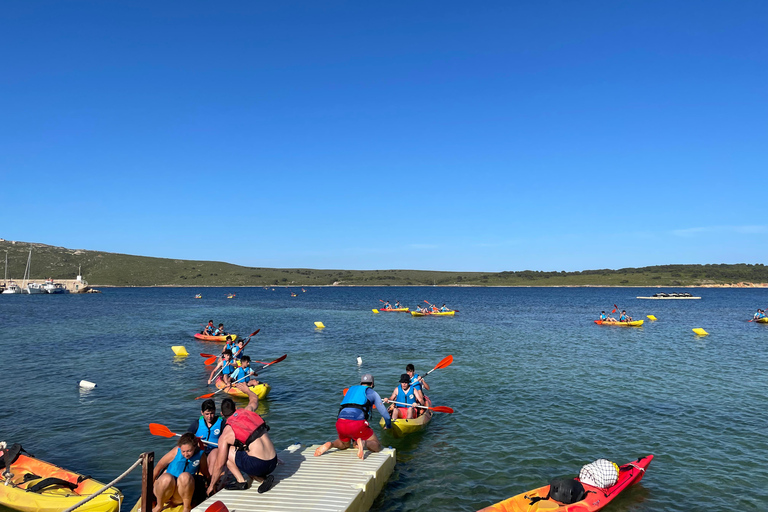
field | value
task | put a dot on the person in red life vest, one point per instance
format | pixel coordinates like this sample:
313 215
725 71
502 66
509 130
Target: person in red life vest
183 482
208 329
352 421
244 445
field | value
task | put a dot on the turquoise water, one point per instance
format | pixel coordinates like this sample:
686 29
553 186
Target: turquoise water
538 388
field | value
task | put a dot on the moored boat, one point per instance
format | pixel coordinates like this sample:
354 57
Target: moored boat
596 497
261 390
402 427
51 287
438 313
662 296
12 287
223 338
634 323
39 486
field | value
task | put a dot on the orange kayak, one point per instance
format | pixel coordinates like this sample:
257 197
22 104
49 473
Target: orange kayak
630 473
634 323
205 337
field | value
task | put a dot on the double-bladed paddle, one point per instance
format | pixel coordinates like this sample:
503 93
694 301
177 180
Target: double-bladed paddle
255 370
211 358
156 429
438 408
447 360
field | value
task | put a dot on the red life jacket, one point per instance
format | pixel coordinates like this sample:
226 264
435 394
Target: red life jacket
247 426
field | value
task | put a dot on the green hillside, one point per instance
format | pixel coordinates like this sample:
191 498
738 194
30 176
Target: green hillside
110 269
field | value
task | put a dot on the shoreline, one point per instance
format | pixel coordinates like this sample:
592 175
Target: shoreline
739 286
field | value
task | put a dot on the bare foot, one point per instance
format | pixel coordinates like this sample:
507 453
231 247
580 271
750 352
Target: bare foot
321 450
360 446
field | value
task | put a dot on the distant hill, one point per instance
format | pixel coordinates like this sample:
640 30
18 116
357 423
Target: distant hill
111 269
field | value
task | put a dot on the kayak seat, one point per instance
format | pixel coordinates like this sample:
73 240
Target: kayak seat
51 482
30 476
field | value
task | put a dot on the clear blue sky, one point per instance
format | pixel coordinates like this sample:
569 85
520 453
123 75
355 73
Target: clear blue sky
441 135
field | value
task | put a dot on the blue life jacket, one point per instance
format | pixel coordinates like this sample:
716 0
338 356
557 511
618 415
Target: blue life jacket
415 384
405 397
603 316
211 433
229 367
240 373
356 398
181 465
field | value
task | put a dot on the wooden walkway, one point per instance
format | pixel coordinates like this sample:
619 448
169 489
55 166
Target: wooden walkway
337 481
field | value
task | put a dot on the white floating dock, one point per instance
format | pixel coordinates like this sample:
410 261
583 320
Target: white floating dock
337 481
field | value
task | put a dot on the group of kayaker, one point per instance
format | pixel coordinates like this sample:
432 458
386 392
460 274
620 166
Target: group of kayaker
623 317
352 424
210 330
234 365
759 314
237 438
387 305
432 308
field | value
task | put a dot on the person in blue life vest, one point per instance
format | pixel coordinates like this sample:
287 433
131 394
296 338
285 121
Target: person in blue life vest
244 446
180 475
758 315
624 317
418 384
227 367
397 305
208 428
237 351
244 373
220 331
444 308
386 305
403 394
352 421
208 329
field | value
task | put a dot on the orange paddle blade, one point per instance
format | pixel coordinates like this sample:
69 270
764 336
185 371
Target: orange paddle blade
217 506
445 362
441 408
210 360
205 355
254 333
207 395
157 429
276 360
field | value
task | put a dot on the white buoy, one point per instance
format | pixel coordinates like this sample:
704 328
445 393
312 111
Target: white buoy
359 360
87 385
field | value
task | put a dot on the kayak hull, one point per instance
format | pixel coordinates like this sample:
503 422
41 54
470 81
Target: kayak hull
261 390
54 498
634 323
762 320
629 474
222 339
394 310
439 313
402 427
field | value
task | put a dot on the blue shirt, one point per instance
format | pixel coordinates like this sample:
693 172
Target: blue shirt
353 413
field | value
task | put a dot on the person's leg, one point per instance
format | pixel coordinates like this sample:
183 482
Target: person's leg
164 489
372 443
185 487
394 414
411 413
232 465
338 443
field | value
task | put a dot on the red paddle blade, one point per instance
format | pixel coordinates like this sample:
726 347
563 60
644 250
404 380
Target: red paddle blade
441 408
207 395
276 360
428 302
254 333
445 362
217 506
210 360
157 429
205 355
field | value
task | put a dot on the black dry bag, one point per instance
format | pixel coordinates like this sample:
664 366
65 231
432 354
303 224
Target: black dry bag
566 490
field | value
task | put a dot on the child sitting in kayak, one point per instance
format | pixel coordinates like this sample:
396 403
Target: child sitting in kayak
208 329
605 318
177 481
227 368
245 373
624 317
220 331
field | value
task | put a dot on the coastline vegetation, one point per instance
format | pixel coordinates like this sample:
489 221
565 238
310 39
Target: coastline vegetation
112 269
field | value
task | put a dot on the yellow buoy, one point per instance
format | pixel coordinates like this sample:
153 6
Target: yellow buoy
700 331
651 317
179 350
319 325
375 311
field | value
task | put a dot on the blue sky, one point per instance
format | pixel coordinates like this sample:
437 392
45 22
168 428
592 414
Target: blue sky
472 136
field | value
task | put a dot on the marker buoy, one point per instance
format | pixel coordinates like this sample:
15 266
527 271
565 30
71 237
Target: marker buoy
319 325
376 311
179 350
651 318
87 385
700 331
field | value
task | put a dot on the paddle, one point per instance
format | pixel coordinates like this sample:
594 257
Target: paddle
156 429
438 408
209 395
255 370
217 506
442 364
211 359
203 354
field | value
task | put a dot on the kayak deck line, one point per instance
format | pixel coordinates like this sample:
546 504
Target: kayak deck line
336 480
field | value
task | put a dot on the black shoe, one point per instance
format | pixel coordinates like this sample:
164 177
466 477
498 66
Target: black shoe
267 484
237 486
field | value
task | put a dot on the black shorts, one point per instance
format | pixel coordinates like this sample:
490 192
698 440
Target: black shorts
254 466
201 490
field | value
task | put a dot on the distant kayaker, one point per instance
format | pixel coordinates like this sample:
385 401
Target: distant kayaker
244 373
444 308
186 471
397 305
406 398
417 382
421 309
245 443
386 305
208 427
758 315
208 329
220 331
352 421
226 366
624 317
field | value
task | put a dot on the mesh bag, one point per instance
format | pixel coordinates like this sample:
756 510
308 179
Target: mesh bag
602 473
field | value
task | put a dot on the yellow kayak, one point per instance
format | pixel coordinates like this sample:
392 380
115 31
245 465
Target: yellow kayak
439 313
762 320
38 486
401 427
261 390
634 323
222 338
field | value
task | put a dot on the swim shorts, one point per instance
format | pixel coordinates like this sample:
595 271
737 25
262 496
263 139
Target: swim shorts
353 429
254 466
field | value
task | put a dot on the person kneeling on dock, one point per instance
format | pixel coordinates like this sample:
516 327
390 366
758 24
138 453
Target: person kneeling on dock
181 484
244 445
352 421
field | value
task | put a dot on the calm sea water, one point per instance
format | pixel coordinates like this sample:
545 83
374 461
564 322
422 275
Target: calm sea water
538 388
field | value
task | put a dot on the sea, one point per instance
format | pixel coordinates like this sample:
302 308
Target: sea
538 388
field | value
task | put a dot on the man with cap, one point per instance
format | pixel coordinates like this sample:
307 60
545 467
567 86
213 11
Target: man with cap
352 421
405 396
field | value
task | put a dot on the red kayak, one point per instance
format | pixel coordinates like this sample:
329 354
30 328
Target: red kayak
226 337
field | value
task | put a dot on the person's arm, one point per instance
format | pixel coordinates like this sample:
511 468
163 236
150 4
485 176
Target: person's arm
423 383
391 398
253 399
210 377
163 462
419 396
376 399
